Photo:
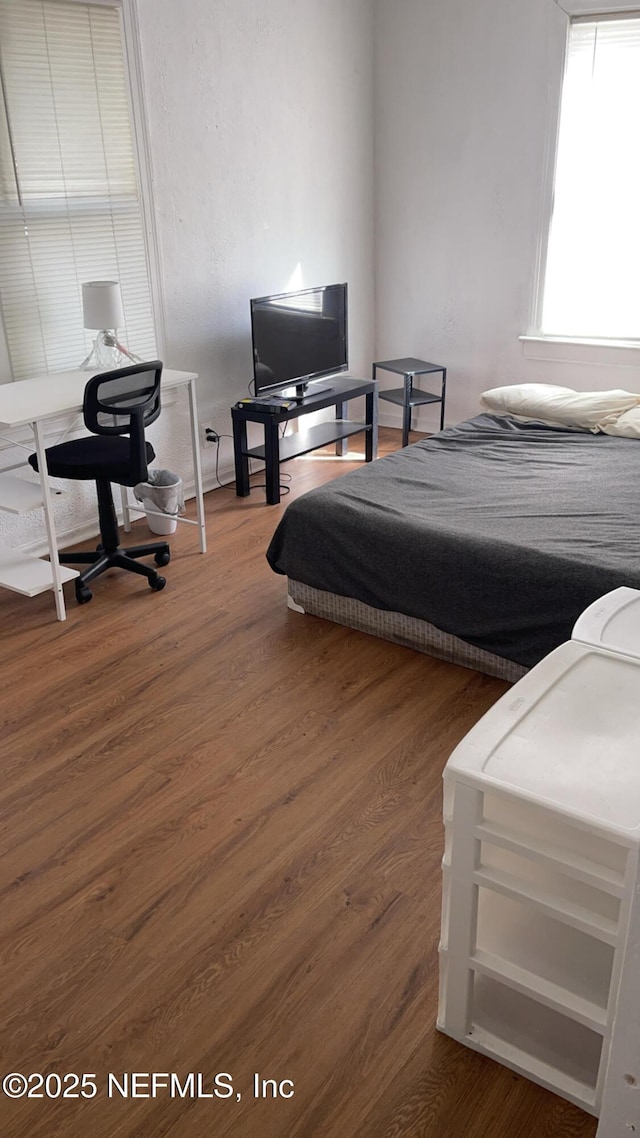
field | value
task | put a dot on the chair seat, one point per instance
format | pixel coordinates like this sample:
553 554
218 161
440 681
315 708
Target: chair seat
93 457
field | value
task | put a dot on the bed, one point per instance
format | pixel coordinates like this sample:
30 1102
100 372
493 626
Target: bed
481 544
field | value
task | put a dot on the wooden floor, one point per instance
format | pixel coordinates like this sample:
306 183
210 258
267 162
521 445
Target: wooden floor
220 841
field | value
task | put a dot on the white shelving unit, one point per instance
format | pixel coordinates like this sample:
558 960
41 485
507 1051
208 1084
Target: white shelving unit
19 571
542 825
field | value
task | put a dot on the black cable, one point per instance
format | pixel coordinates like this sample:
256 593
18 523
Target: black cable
260 470
222 485
263 486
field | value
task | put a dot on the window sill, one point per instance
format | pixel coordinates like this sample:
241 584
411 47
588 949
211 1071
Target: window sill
565 349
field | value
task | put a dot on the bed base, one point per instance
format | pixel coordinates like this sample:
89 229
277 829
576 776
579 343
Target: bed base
401 629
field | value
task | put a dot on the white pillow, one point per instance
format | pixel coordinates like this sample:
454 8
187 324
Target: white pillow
559 406
627 425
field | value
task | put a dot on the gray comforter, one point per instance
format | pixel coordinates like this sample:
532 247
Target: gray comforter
497 531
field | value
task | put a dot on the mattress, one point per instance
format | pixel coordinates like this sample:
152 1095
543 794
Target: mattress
495 531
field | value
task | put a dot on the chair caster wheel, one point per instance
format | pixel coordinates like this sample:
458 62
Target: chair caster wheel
157 582
83 594
100 548
162 558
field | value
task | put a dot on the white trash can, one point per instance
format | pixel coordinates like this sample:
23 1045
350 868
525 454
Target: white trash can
163 499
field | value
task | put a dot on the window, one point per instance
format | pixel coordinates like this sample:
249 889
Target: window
70 208
592 277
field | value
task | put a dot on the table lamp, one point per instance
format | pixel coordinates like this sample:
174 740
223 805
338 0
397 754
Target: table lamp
102 310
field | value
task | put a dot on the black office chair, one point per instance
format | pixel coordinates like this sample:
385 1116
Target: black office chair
117 407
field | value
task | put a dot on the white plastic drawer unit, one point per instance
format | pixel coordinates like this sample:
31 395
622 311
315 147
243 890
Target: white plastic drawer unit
612 623
542 827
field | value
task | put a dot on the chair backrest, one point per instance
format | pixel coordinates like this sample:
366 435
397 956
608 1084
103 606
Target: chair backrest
113 398
124 402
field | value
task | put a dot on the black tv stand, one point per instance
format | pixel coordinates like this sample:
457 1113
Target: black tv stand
276 449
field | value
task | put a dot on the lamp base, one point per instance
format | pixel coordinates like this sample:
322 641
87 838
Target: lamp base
107 353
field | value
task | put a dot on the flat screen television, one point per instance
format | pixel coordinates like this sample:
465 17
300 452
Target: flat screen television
298 337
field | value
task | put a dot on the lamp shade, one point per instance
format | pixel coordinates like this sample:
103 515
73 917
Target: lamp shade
102 305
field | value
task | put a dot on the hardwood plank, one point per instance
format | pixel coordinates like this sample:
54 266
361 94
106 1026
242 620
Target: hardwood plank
220 845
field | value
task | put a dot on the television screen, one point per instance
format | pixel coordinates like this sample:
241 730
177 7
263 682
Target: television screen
298 336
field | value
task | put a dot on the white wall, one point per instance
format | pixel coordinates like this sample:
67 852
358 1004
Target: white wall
260 124
261 133
465 105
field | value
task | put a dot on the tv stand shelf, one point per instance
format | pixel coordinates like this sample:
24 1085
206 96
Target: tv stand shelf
320 436
275 449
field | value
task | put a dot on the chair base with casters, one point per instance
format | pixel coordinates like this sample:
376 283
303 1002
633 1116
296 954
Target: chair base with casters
117 407
111 555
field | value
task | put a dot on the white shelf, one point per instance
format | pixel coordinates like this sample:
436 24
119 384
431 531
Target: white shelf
523 1063
573 865
17 496
571 914
529 984
560 956
551 883
534 826
29 575
565 1047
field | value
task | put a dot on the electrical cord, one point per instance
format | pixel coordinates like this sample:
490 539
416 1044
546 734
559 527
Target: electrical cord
255 485
263 485
222 485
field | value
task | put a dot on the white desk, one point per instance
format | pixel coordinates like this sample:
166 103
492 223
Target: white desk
31 402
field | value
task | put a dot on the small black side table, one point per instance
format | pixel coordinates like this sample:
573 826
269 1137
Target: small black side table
409 396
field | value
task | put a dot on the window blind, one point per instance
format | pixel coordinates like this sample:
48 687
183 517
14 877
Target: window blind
70 207
592 279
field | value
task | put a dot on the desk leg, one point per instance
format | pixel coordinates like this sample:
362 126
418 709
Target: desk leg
197 466
342 445
126 516
272 461
371 418
241 462
48 517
